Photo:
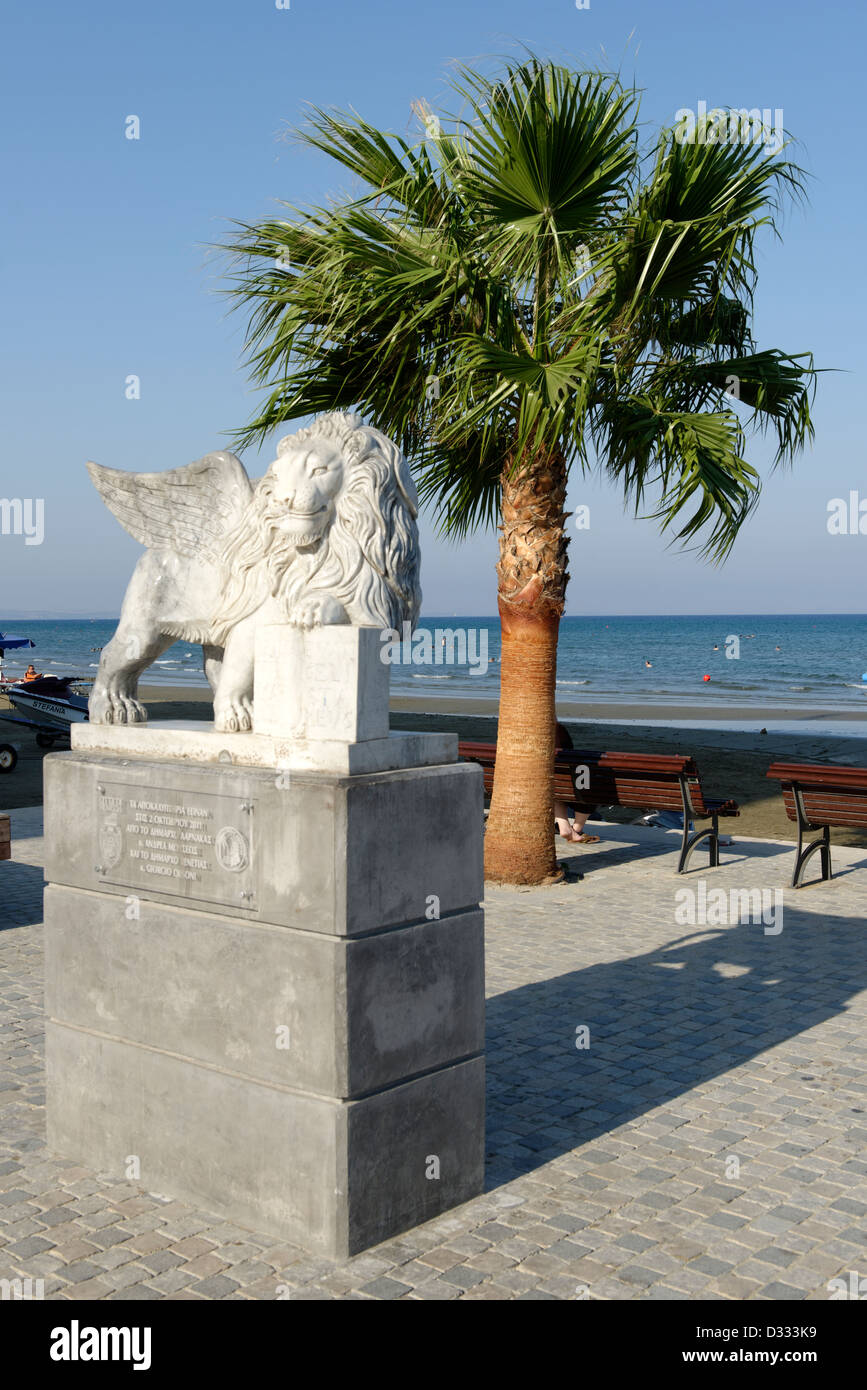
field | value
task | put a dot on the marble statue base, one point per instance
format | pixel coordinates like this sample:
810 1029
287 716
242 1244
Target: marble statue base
265 990
196 742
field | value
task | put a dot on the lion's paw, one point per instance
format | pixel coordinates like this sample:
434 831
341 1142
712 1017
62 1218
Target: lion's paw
323 611
233 716
110 707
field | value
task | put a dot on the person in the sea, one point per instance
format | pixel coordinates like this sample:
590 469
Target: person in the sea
570 826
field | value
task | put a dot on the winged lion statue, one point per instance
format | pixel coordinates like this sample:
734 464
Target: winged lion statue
328 535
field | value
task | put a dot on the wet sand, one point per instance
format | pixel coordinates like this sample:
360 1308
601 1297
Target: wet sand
733 762
605 713
669 714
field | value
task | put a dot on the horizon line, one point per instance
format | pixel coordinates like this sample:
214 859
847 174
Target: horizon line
43 617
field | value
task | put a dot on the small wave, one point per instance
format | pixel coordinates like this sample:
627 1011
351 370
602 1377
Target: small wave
856 685
559 682
428 676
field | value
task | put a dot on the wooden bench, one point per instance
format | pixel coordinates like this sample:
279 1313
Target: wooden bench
817 796
639 781
5 838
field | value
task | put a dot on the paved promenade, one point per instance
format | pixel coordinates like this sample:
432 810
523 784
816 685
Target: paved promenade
677 1104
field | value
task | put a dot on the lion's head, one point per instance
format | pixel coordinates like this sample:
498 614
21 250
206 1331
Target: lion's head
334 514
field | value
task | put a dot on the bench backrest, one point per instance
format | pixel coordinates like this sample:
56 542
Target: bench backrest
830 795
485 754
5 838
637 780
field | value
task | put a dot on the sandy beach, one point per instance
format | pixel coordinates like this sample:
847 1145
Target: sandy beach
733 762
671 714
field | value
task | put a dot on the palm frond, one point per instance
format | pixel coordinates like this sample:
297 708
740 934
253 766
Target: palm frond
523 282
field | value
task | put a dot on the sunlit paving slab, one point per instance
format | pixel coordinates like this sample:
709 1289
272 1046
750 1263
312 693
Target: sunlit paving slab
676 1103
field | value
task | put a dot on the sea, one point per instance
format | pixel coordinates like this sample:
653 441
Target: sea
799 661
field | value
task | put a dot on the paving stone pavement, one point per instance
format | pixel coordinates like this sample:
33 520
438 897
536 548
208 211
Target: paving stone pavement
708 1141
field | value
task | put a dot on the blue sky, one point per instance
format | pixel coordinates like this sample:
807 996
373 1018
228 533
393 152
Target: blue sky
106 272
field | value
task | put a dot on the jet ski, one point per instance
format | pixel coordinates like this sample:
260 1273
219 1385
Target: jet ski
49 700
48 704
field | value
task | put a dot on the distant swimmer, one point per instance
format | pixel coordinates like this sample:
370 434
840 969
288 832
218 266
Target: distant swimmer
716 649
776 649
648 663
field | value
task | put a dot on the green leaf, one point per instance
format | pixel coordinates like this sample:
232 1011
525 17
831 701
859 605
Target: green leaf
524 281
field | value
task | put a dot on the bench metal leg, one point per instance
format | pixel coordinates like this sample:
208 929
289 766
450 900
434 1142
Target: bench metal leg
823 845
713 844
690 841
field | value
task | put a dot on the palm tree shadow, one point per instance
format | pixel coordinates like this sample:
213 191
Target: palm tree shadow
660 1024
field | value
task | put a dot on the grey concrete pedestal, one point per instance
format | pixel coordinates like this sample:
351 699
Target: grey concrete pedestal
265 989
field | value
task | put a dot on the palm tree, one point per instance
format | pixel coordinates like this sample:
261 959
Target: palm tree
520 292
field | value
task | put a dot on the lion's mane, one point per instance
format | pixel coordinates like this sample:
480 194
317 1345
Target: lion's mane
368 559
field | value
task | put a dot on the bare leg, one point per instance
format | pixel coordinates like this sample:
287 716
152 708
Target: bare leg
578 834
573 830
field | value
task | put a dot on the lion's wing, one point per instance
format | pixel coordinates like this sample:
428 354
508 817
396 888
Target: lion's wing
189 510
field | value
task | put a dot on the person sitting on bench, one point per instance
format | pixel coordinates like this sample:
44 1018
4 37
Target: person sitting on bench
570 826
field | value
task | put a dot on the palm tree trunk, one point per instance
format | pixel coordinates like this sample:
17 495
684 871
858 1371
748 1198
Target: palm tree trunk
519 842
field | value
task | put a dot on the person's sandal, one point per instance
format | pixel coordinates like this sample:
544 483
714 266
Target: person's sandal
583 839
